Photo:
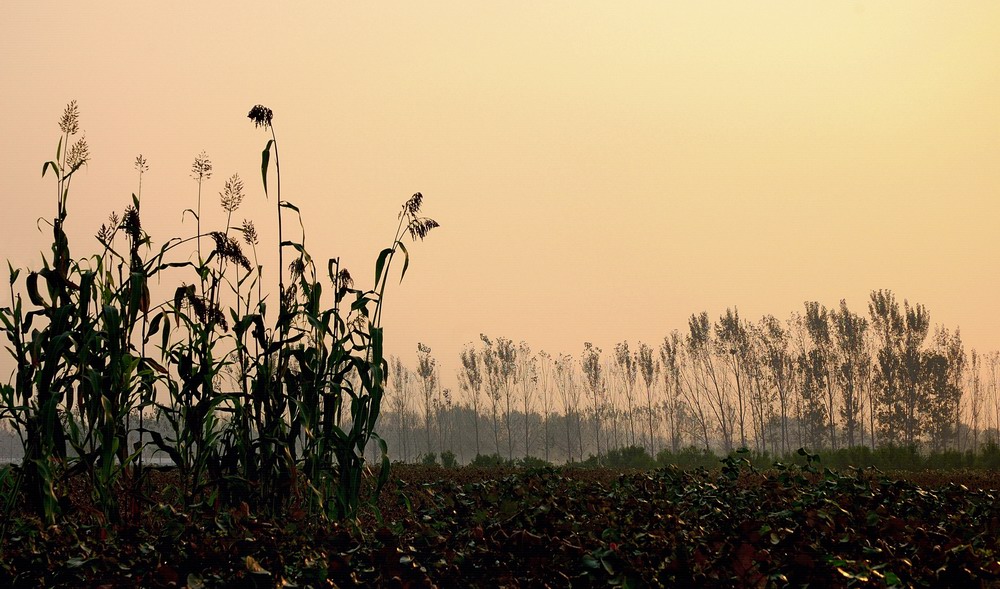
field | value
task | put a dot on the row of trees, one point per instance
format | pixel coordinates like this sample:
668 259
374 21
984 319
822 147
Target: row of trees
823 378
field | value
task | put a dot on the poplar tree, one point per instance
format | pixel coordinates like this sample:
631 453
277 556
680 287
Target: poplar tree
818 364
779 365
649 369
628 370
671 360
701 348
733 344
427 373
526 378
590 361
569 391
400 377
850 331
470 379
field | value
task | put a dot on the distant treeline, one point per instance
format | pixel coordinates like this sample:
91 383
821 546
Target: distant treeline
822 379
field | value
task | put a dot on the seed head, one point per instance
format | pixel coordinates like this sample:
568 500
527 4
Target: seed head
108 230
228 248
412 206
343 284
261 116
205 310
236 254
132 224
78 154
70 121
249 233
297 268
140 164
201 169
420 227
232 195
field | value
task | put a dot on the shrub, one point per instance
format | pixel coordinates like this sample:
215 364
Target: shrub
488 460
989 456
689 457
448 459
532 462
629 457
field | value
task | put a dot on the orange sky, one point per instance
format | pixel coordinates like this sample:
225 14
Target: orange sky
600 170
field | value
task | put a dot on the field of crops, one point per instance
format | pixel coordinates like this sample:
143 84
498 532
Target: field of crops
547 527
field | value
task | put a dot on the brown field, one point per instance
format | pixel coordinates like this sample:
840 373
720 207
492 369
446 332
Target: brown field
545 527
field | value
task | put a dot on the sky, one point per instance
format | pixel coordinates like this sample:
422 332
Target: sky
600 170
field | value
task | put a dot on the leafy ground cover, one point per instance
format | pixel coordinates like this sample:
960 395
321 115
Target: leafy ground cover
545 527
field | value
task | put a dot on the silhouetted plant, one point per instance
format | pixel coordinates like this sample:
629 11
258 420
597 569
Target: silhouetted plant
201 171
257 410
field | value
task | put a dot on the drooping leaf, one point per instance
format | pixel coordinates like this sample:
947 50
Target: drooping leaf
154 326
53 165
32 285
380 264
406 261
265 159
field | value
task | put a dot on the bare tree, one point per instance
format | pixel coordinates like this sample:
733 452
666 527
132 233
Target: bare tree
544 364
993 388
593 373
733 344
779 367
762 395
627 365
975 397
867 380
811 373
671 350
427 373
701 350
444 413
569 391
470 379
493 379
397 402
649 369
500 359
526 378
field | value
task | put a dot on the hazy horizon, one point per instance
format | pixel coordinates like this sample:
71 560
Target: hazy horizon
600 172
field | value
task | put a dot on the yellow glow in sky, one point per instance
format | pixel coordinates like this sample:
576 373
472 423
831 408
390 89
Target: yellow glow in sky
601 171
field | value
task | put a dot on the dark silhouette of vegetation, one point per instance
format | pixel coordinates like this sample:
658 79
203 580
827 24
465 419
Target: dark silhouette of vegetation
826 380
259 406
